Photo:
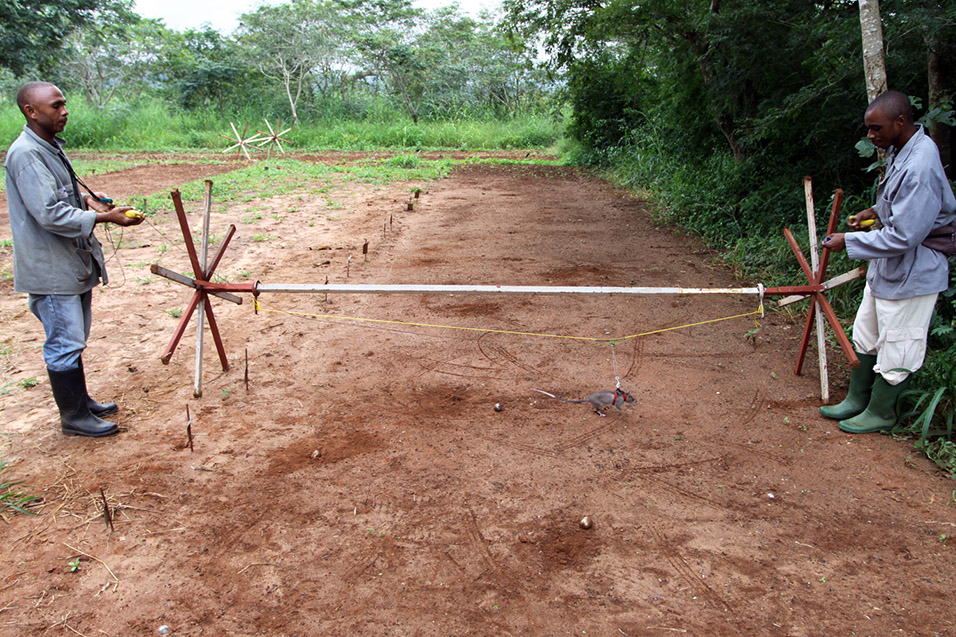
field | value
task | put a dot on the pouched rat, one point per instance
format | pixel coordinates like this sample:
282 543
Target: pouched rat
600 399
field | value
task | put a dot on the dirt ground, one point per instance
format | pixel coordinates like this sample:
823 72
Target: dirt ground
363 483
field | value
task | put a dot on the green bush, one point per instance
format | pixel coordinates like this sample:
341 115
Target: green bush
152 125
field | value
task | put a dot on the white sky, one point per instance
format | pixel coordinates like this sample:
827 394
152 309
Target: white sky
224 15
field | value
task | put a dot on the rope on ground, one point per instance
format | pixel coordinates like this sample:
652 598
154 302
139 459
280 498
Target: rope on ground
259 308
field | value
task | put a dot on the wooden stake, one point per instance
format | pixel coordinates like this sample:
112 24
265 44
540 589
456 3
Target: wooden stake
818 310
189 429
201 309
245 375
107 515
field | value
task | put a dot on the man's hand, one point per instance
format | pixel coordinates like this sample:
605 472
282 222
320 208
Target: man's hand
94 203
118 216
860 217
835 242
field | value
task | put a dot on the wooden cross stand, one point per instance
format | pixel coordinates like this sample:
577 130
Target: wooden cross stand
204 287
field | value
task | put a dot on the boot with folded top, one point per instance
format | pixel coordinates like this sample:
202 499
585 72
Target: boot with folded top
96 408
76 419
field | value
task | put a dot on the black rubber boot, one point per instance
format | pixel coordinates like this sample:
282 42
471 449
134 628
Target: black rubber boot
881 413
69 392
97 409
858 396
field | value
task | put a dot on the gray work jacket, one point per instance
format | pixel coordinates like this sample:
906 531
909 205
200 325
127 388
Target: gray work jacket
54 250
913 199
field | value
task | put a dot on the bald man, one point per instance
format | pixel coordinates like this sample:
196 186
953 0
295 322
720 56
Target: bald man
56 259
904 277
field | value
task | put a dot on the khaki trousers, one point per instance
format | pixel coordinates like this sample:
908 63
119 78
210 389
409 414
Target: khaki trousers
894 330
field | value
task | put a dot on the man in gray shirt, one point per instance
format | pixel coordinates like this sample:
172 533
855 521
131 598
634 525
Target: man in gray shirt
904 277
56 259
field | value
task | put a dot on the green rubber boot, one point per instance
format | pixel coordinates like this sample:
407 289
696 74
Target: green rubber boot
881 413
858 396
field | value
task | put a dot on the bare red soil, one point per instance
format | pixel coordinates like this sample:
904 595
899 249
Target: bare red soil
363 483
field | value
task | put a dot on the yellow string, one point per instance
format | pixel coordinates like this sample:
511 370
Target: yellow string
259 308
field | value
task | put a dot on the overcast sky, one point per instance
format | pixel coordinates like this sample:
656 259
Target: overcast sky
223 16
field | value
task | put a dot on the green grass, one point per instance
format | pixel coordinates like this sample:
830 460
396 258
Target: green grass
12 498
281 176
275 177
152 125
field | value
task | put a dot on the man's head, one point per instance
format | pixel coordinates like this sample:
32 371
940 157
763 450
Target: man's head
889 120
44 108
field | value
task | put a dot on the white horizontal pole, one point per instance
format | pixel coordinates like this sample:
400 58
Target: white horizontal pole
371 288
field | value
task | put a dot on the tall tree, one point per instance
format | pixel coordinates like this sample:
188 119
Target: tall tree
202 68
111 58
33 32
287 41
874 63
387 37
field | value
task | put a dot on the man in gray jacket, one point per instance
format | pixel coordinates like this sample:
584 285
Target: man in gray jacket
56 258
904 277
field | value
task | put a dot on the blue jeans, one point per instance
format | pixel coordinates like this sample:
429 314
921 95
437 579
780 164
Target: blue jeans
66 320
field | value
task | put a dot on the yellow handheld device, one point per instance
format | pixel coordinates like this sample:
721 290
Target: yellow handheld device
134 214
866 223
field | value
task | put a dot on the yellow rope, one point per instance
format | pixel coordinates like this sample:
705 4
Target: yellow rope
259 308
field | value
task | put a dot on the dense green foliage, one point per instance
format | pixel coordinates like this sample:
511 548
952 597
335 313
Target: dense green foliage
303 60
718 109
153 125
33 32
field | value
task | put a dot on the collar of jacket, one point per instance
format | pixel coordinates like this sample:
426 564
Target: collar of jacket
54 148
902 154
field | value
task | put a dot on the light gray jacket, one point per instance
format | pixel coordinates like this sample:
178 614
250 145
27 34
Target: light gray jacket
913 199
54 250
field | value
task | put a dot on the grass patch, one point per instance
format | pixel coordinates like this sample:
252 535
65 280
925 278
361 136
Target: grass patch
150 124
276 177
12 498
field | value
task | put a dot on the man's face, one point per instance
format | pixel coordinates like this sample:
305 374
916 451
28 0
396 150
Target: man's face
881 129
47 109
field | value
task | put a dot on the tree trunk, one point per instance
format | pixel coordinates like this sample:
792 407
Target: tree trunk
287 82
874 64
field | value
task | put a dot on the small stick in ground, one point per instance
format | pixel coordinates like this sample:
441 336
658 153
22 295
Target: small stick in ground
348 265
245 375
189 428
107 515
365 250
